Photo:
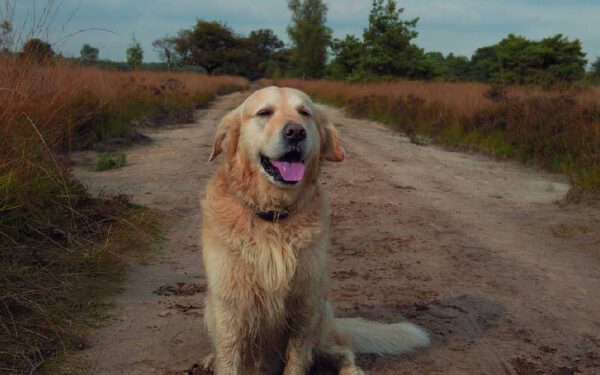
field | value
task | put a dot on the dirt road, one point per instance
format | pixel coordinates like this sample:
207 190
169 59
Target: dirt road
475 250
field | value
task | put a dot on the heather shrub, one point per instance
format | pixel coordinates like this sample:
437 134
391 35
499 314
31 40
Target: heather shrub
556 129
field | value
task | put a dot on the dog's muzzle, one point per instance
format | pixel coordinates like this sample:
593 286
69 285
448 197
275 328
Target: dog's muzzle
288 168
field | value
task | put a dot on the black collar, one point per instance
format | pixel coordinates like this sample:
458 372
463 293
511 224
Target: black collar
273 216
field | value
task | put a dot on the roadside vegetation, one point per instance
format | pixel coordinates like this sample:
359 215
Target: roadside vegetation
62 250
559 130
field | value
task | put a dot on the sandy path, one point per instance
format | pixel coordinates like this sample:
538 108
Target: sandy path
473 249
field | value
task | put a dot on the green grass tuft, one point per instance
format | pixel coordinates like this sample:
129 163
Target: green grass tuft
106 161
120 160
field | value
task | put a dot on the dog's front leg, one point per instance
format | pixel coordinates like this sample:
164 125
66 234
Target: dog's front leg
228 359
303 322
227 341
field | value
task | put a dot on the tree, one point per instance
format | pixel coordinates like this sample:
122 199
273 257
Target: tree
348 54
485 64
560 59
450 67
309 36
135 55
516 59
388 47
438 63
215 48
458 68
264 43
89 54
5 31
37 50
261 47
279 64
166 49
596 69
210 45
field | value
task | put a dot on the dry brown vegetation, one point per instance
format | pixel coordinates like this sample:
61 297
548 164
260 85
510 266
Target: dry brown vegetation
61 249
559 129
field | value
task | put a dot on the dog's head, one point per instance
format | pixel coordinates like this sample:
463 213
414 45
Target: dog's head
280 135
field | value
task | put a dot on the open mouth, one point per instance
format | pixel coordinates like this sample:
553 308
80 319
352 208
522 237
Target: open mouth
289 169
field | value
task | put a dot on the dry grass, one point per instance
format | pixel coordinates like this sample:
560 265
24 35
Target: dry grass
61 250
63 100
559 130
45 109
466 97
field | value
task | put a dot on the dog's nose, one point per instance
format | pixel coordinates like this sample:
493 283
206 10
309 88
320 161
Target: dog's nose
294 132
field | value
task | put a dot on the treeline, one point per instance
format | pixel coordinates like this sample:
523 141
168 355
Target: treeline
217 49
39 51
516 59
385 50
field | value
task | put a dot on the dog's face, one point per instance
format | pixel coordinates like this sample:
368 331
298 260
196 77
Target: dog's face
281 134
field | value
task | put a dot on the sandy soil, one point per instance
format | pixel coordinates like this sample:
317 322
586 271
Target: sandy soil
473 249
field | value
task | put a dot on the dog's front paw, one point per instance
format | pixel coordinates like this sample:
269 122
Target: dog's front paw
351 370
208 364
206 368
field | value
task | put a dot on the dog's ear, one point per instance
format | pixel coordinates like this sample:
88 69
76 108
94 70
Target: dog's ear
331 147
227 135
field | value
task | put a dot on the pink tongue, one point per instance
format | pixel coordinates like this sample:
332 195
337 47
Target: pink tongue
293 171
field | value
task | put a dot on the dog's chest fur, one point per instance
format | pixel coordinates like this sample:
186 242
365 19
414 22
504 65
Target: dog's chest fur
264 265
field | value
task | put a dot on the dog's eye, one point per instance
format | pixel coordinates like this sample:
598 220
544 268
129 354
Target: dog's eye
304 112
265 112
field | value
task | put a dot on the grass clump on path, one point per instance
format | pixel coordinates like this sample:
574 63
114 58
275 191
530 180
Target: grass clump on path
106 161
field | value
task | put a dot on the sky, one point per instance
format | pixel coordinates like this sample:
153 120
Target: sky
458 26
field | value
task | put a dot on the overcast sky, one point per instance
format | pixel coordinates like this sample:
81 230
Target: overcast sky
459 26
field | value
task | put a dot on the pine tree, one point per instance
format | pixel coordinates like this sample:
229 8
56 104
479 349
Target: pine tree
310 37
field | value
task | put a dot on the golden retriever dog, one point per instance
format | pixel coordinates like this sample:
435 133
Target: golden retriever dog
265 237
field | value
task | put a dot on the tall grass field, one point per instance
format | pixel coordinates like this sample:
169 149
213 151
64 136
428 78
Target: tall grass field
61 249
559 130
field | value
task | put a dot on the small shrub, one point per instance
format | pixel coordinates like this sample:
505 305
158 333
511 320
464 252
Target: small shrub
106 161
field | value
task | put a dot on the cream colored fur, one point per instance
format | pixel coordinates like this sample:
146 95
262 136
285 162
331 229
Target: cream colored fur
267 309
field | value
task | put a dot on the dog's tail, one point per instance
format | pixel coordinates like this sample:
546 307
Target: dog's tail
371 337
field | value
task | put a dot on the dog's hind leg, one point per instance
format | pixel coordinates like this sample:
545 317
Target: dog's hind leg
335 348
